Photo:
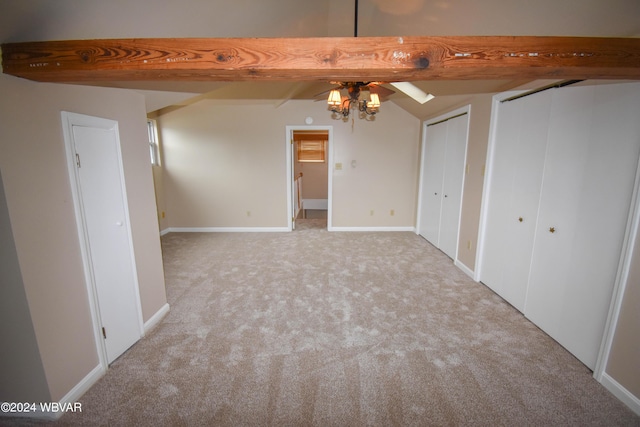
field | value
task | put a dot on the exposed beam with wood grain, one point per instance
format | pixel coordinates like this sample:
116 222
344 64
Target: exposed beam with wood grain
324 59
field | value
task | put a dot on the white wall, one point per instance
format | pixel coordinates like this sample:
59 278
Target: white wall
222 159
22 377
385 176
40 207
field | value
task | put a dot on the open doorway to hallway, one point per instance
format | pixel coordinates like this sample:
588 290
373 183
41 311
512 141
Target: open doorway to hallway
310 168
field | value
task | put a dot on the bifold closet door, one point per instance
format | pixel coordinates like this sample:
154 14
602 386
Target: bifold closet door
590 168
443 175
513 195
452 184
432 180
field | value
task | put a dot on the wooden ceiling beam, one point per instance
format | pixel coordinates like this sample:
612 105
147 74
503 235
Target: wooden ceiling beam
324 59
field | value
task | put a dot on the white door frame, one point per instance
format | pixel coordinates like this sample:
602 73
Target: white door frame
289 153
619 288
68 121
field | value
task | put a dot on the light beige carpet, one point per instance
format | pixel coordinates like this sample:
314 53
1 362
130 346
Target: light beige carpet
339 329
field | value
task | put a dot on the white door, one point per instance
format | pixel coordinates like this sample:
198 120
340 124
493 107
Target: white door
453 179
590 167
102 200
443 161
432 180
514 194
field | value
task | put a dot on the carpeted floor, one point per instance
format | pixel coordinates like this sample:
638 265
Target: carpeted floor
338 329
311 218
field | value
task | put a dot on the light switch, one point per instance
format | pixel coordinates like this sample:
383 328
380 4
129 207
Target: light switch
338 166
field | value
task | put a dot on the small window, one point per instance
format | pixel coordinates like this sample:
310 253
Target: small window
153 142
311 151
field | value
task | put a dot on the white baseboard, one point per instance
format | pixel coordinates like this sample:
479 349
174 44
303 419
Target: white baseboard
465 269
224 230
621 393
155 319
372 229
68 401
83 386
272 229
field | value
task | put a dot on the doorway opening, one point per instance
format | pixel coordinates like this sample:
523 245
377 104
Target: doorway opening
309 159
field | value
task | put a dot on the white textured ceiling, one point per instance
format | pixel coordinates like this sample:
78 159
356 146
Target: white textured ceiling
35 20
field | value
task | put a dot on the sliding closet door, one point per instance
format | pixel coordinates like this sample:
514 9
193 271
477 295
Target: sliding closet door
514 193
432 180
452 184
590 168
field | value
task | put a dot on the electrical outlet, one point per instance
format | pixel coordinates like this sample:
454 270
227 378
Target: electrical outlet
338 166
371 212
162 214
392 212
248 213
469 244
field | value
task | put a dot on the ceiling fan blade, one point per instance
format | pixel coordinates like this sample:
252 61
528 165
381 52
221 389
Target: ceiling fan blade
413 91
323 93
326 92
382 91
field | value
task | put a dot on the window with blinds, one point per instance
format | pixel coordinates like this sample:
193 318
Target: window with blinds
311 151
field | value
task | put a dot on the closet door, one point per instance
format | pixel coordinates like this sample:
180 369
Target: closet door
454 160
433 177
590 168
513 195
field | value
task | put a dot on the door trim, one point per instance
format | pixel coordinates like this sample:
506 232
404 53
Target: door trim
619 288
289 154
68 121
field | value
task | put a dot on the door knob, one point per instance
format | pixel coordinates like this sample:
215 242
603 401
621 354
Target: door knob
552 229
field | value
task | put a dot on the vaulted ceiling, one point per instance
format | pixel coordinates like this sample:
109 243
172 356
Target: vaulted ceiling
40 20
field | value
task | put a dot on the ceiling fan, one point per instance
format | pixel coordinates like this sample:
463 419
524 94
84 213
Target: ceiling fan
341 106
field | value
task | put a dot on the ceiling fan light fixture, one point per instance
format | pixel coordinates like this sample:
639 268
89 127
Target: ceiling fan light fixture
335 99
413 91
374 101
341 107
